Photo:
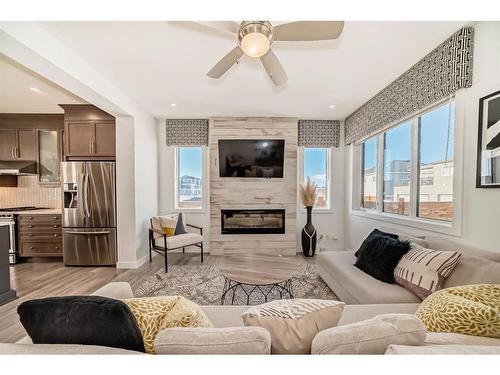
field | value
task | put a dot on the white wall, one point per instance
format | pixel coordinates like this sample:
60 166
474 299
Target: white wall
329 223
480 207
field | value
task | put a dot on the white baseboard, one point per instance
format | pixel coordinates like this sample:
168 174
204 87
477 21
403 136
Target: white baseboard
133 264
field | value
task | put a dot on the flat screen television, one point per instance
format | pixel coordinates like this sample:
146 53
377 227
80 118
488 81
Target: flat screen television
262 158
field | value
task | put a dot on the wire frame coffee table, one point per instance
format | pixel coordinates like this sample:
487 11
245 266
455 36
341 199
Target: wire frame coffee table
257 274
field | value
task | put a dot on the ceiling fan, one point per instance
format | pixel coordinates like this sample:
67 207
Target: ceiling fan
255 39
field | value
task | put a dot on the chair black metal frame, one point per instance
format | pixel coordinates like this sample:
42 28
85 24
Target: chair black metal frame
162 250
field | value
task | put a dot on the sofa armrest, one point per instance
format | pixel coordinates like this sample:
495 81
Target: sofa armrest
371 336
230 340
116 290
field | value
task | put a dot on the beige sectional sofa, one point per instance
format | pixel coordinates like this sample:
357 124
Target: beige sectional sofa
353 286
230 336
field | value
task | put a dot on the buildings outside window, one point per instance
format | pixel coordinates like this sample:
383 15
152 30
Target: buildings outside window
189 178
316 169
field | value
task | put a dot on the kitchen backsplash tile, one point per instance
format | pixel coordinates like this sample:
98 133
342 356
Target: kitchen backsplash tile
29 193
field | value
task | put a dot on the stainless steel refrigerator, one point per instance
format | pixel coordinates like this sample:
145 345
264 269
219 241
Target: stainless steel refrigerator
89 213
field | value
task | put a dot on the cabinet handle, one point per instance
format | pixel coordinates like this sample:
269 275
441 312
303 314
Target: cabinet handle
55 234
31 247
12 153
30 234
18 153
30 217
55 226
90 147
30 226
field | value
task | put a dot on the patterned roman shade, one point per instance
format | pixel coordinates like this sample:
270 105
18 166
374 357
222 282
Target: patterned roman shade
439 74
319 133
187 132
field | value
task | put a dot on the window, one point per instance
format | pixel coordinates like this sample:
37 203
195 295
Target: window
189 167
397 156
435 163
369 178
316 168
419 151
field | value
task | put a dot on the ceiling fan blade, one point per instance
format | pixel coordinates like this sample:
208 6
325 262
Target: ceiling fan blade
228 26
225 63
274 68
308 30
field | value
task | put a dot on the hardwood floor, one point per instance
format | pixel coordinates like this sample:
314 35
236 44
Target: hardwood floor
39 280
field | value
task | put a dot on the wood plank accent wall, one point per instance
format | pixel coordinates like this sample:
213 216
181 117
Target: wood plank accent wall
254 193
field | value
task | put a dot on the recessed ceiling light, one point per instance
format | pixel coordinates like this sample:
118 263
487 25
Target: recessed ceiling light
173 105
36 90
332 106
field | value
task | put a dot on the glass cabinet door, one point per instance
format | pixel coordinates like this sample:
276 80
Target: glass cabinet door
48 156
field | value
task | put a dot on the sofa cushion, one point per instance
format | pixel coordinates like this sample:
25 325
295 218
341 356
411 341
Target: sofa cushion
87 320
69 349
445 338
439 243
442 349
230 340
371 336
470 309
474 270
293 323
423 271
379 255
355 286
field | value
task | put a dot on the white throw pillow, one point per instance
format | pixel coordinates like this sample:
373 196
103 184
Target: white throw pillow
293 323
371 336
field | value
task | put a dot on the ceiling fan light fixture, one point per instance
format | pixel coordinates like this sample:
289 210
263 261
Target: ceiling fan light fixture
255 44
255 38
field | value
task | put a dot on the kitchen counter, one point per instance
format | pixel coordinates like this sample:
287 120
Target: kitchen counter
45 211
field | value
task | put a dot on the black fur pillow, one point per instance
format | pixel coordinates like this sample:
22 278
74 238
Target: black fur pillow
86 320
380 256
374 232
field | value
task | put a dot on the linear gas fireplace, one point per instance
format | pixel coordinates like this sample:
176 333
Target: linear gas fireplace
252 221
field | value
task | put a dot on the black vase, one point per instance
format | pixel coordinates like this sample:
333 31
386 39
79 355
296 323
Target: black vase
309 235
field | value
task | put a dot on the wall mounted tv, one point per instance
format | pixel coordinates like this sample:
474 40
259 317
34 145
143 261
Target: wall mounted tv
262 158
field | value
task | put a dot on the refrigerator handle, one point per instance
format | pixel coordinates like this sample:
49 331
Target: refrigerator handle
84 195
94 233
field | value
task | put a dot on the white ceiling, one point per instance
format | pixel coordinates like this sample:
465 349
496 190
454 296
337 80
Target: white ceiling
159 63
18 91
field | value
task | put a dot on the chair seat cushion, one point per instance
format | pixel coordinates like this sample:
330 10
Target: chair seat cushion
183 240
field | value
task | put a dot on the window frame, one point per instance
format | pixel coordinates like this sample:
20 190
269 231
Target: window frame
453 227
176 207
329 164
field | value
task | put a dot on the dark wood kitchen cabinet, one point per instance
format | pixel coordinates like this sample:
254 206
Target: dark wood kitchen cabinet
40 235
18 144
89 133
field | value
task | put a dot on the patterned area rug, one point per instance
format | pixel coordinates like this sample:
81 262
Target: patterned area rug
203 284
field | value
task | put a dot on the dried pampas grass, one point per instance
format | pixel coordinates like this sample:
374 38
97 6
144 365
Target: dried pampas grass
308 193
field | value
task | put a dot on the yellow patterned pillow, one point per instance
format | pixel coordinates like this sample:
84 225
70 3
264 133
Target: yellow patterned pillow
469 309
156 313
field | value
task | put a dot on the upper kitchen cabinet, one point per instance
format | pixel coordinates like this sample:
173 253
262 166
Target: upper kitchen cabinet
17 144
89 133
49 155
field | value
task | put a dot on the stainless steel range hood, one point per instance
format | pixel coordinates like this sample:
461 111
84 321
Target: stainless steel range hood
18 168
